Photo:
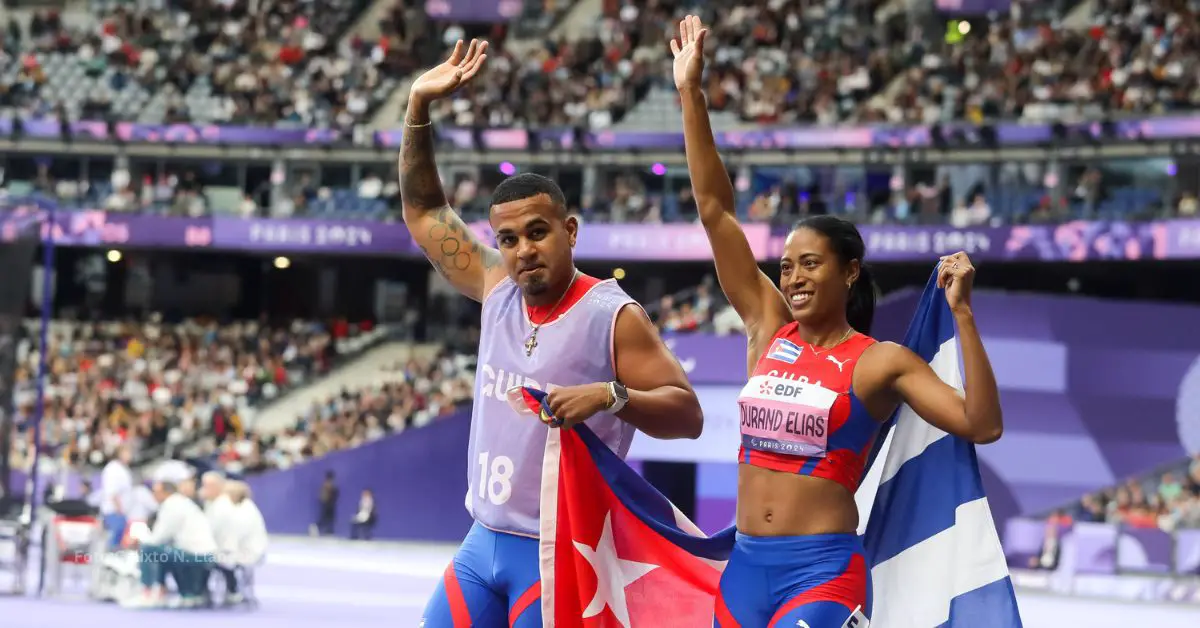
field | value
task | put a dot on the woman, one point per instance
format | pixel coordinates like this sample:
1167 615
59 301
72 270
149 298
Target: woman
818 389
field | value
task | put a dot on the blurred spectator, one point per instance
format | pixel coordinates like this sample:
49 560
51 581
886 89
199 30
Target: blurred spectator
695 310
364 521
249 540
116 484
1051 547
180 544
326 506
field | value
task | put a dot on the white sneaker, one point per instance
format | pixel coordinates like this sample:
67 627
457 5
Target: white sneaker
144 600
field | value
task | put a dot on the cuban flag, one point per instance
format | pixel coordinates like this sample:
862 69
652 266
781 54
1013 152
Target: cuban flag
615 552
935 556
784 351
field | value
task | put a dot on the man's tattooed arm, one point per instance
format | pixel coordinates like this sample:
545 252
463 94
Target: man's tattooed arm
420 186
450 245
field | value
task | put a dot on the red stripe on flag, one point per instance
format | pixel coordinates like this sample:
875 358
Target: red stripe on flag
848 589
567 573
724 617
459 613
682 587
532 402
531 595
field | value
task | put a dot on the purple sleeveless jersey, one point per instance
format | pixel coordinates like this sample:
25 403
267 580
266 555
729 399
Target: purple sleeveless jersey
505 466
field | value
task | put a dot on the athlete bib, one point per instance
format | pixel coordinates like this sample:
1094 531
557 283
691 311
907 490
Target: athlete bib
786 416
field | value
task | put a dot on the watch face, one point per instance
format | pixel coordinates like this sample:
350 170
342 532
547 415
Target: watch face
622 392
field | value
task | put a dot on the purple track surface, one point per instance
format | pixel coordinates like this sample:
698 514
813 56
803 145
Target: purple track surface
317 583
305 583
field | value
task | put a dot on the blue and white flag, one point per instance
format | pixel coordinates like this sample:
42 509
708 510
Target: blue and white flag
935 556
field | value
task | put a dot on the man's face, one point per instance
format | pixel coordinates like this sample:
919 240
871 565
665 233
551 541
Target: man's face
209 490
535 242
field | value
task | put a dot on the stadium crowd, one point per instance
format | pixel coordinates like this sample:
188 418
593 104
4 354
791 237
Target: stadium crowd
775 61
276 62
701 309
1169 501
156 387
178 391
1132 57
405 395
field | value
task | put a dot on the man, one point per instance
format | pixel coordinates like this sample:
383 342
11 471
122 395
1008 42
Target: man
116 488
187 488
219 510
327 500
142 503
544 325
180 543
247 540
173 471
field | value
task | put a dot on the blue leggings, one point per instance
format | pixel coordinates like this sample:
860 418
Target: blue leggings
114 525
189 570
493 581
814 581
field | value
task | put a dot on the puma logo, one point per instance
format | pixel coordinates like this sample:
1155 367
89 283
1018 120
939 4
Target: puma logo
839 364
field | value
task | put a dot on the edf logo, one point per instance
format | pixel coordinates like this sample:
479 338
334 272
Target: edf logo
787 390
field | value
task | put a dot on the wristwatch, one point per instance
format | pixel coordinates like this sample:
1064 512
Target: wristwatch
620 396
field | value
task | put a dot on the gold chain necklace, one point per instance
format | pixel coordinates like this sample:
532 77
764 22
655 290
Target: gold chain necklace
531 342
817 351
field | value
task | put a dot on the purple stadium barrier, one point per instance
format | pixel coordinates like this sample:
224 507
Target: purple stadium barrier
1145 550
418 477
798 138
1071 242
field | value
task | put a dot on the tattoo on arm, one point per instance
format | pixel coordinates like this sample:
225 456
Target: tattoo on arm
456 246
420 185
437 265
452 247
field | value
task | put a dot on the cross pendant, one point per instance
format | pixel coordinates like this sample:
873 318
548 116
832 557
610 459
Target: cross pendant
530 344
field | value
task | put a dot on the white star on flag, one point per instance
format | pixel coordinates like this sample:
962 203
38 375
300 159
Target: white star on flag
613 574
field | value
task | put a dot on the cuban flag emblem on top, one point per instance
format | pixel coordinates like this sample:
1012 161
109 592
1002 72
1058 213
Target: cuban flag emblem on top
784 351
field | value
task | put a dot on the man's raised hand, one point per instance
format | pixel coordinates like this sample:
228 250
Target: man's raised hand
443 79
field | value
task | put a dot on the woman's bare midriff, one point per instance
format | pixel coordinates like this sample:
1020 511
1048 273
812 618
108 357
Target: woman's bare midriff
773 503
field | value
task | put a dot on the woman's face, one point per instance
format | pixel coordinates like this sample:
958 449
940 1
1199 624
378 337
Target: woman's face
813 280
